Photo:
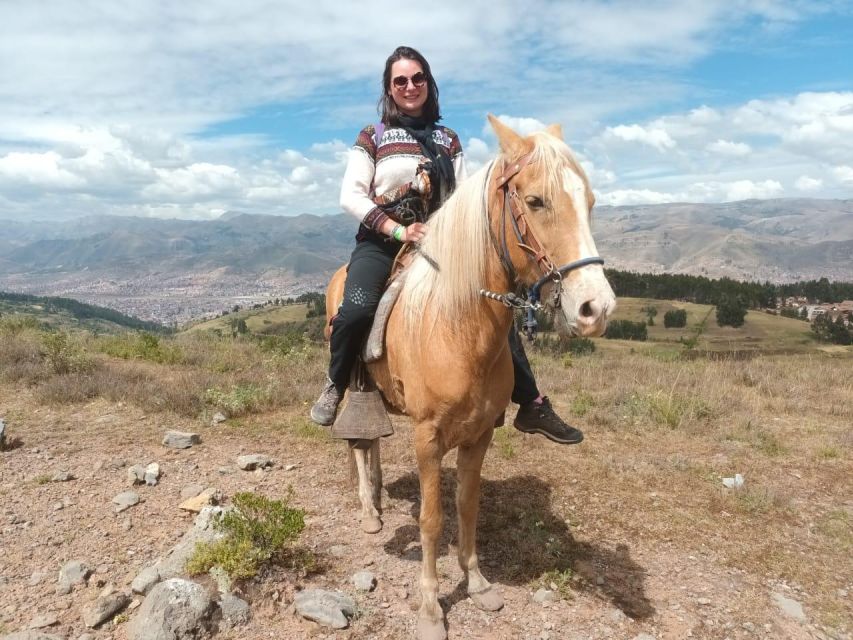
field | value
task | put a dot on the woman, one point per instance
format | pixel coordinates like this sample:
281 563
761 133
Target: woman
387 165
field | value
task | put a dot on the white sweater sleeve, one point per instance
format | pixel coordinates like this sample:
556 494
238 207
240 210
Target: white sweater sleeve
355 188
459 167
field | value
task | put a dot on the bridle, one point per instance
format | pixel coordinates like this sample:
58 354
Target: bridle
527 241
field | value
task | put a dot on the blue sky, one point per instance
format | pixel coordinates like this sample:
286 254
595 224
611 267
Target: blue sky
190 110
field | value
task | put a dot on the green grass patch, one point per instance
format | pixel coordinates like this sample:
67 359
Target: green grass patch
256 531
670 409
140 346
581 404
238 400
306 429
559 581
504 439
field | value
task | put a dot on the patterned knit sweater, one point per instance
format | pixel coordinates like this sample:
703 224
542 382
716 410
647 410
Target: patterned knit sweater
375 169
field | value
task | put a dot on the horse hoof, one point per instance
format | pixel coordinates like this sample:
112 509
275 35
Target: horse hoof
488 600
371 525
431 629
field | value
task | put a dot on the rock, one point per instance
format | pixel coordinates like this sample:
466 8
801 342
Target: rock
35 578
253 461
2 435
735 482
127 524
290 467
175 608
191 491
703 601
615 616
180 439
234 611
327 608
207 497
152 474
545 595
789 607
62 476
145 580
125 500
43 620
338 550
136 474
73 573
643 636
85 636
31 635
173 563
104 608
217 418
364 581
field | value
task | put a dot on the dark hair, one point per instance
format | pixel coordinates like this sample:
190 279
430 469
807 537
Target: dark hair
387 108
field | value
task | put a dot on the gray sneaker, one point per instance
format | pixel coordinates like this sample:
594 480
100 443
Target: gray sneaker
324 410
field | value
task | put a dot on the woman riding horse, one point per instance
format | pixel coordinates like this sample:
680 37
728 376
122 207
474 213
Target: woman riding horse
386 160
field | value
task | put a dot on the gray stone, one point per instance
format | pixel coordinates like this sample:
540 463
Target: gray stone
191 491
173 563
253 461
145 581
327 608
615 616
62 476
364 581
136 474
31 635
73 573
234 611
152 474
175 608
125 500
180 439
104 608
43 620
217 418
209 496
2 435
545 595
789 607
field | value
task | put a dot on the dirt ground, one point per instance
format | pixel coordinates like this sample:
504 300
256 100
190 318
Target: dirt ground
636 527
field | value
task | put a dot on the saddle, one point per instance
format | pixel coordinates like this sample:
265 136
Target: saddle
374 346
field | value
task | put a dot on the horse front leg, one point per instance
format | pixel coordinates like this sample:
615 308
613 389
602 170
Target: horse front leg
429 453
370 522
468 467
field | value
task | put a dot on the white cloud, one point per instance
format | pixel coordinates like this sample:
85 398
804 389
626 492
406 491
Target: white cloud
37 169
620 197
728 148
843 174
805 183
653 137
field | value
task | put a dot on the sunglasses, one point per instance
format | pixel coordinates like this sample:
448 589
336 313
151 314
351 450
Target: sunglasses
418 80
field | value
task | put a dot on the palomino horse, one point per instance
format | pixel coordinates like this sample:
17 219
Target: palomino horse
523 219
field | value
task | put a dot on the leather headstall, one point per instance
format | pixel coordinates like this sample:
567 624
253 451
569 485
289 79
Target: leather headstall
525 236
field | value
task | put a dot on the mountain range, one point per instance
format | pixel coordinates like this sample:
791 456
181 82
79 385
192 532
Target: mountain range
172 270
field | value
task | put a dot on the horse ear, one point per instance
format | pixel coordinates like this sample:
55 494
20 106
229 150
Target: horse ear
555 130
511 143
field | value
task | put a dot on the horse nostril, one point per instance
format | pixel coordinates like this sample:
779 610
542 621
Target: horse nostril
586 310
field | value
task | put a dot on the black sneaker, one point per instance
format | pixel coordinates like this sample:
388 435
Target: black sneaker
540 418
324 410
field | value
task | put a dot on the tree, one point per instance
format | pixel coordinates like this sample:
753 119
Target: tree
675 319
731 311
650 311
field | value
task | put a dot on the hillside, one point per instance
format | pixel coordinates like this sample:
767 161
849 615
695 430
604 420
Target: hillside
176 270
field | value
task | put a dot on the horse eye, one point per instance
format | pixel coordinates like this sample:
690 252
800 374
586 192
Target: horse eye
534 202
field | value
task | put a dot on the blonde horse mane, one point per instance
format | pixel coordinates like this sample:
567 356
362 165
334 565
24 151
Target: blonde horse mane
458 240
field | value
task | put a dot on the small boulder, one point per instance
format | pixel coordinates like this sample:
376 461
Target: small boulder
545 595
326 608
43 620
207 497
104 608
2 435
789 607
191 491
253 461
180 439
152 474
234 611
73 573
145 580
364 581
125 500
217 418
175 608
136 474
62 476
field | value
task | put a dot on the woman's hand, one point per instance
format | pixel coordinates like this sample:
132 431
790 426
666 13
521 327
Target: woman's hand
415 232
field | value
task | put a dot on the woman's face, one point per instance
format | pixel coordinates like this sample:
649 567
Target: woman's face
409 98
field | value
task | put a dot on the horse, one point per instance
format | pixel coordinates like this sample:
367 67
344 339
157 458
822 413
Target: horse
522 220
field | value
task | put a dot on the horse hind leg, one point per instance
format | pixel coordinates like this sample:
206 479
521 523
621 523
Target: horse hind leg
468 466
430 614
376 474
370 522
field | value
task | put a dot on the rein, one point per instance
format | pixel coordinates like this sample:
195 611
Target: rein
526 240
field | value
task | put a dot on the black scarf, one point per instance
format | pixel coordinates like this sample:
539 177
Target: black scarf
442 176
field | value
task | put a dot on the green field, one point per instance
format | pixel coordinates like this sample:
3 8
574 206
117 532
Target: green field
761 332
257 320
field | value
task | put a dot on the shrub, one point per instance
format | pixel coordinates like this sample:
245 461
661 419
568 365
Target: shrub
237 401
256 531
731 311
140 346
65 355
675 319
559 345
627 330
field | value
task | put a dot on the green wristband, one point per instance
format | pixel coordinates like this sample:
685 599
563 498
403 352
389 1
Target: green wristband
398 232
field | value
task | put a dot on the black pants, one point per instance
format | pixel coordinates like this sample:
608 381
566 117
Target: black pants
369 268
